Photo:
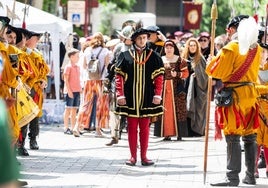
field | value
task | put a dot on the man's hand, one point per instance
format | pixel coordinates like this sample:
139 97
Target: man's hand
173 73
156 100
70 94
121 101
43 84
10 101
161 36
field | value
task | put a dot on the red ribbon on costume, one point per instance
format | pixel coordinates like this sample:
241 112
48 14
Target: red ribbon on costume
238 74
36 98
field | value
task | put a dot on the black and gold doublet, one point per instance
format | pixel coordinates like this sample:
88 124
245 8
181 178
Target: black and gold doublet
139 71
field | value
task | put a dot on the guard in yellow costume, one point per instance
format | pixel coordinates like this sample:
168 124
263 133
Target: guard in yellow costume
26 107
8 88
9 82
37 82
262 134
238 62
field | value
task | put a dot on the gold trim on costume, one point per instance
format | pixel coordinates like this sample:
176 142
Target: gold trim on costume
140 58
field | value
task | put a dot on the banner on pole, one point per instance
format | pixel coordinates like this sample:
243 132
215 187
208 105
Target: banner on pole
192 15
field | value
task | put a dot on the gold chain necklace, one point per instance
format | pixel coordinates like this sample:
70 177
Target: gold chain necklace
140 58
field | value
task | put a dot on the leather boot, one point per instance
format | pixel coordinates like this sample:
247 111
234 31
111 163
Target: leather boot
33 144
256 174
112 142
144 139
122 125
21 183
233 162
21 150
265 151
33 132
261 160
250 147
225 183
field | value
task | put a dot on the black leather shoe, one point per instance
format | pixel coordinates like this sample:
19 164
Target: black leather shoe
249 180
226 183
147 162
261 163
22 151
21 183
113 141
131 162
33 144
167 138
18 161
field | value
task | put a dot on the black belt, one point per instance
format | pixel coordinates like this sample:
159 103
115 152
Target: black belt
264 97
239 84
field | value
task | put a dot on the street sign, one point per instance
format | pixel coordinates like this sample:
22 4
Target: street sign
76 12
76 18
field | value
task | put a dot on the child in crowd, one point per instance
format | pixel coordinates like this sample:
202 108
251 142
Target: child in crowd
72 89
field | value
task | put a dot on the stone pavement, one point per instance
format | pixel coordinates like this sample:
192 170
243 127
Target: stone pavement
66 161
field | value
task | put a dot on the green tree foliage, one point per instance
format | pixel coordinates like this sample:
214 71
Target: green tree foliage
123 5
110 7
50 6
222 18
106 17
63 2
227 10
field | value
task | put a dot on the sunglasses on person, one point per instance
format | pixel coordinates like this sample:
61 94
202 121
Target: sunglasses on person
203 40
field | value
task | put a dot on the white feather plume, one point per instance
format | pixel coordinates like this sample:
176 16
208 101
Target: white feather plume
247 34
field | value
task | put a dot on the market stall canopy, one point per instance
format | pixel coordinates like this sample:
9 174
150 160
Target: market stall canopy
42 22
37 20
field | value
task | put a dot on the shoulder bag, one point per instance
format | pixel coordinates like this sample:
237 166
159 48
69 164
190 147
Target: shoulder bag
224 97
93 68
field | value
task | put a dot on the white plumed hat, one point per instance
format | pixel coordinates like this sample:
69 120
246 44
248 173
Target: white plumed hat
247 34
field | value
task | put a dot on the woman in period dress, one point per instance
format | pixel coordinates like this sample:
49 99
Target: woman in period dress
174 119
196 85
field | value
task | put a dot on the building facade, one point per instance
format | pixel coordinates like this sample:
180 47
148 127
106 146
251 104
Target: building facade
169 13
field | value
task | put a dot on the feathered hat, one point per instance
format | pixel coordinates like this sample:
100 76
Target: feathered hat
126 32
236 20
247 32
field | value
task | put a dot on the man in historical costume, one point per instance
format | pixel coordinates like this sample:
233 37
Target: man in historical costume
237 66
37 82
262 134
124 45
156 39
25 72
8 82
139 83
156 42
